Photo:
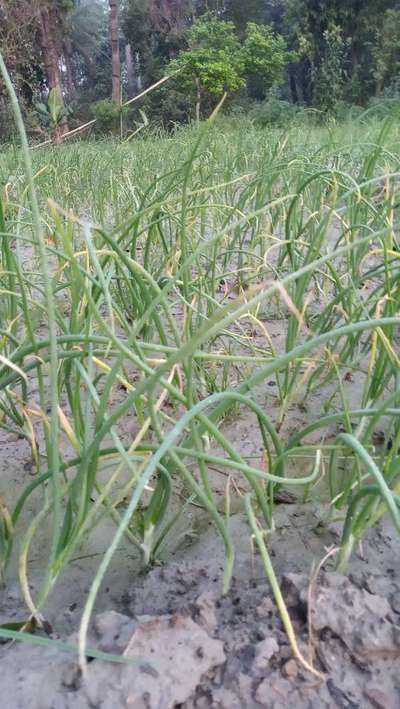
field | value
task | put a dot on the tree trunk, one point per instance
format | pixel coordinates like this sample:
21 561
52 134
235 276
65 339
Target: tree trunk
198 99
116 63
139 83
134 78
307 81
293 85
69 68
50 55
130 73
51 61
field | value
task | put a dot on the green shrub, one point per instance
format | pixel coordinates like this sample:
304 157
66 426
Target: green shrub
272 112
384 106
7 130
108 115
168 106
344 111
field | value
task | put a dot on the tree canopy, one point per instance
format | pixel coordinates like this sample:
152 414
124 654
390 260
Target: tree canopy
318 53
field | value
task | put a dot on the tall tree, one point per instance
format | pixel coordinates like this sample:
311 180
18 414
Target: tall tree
21 53
386 53
330 33
241 12
130 71
116 61
216 61
49 24
154 29
51 28
170 17
89 38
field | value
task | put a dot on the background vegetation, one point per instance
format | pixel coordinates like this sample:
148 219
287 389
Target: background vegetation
282 54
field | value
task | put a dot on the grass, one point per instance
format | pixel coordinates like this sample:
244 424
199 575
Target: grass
146 279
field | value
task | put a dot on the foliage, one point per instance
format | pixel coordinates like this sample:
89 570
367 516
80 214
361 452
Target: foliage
321 53
54 111
241 13
88 35
213 62
155 32
386 52
216 61
108 115
169 106
264 57
274 112
7 130
331 75
340 36
215 72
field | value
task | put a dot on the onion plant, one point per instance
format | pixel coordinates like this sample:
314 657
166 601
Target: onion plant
145 279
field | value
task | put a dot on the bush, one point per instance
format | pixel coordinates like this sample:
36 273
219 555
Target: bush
168 106
344 111
273 112
108 115
7 130
384 106
7 124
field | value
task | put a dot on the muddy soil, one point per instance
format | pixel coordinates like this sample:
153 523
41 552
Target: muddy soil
187 645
